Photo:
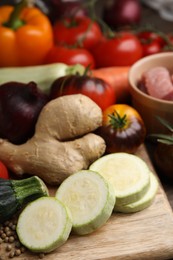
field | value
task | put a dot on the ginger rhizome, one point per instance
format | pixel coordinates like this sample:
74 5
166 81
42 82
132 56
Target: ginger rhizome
63 142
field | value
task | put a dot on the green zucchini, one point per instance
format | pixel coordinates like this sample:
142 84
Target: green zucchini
43 75
14 194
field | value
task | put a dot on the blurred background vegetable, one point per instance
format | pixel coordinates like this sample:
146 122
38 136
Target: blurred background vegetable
79 31
67 8
120 49
25 35
70 55
118 13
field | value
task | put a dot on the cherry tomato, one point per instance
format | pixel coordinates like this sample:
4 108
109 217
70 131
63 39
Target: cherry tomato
77 30
145 36
97 89
70 56
151 42
169 45
122 50
170 38
151 47
123 129
3 171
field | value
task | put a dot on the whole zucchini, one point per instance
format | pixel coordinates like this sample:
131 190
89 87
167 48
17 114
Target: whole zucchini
14 194
43 75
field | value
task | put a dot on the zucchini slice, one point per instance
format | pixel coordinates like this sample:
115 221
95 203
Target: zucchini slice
128 174
90 199
144 202
44 225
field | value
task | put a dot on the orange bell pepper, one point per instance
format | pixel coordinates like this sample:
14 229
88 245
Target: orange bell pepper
25 36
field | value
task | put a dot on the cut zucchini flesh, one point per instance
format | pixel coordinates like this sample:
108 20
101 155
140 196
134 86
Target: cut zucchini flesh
90 199
44 225
128 174
144 202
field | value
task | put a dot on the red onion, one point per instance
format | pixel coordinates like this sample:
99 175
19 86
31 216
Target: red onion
20 105
66 8
118 13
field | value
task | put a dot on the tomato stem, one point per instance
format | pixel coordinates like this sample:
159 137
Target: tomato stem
156 31
116 121
90 5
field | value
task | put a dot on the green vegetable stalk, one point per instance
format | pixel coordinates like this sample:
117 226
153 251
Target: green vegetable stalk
14 194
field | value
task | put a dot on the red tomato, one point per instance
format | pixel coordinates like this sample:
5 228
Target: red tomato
151 42
97 89
70 56
122 50
77 30
147 36
169 45
170 38
152 47
3 171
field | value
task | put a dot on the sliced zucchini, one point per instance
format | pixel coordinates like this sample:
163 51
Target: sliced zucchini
128 174
90 199
144 202
44 225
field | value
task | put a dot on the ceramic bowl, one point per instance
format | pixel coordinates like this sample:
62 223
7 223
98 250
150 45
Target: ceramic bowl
150 107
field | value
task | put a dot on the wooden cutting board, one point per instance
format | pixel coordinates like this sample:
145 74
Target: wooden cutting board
139 236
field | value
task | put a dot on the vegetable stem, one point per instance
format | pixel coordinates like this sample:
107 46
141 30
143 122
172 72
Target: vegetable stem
107 31
30 187
116 121
164 138
14 21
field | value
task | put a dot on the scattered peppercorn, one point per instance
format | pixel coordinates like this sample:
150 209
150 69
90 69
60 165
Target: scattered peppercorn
13 247
9 236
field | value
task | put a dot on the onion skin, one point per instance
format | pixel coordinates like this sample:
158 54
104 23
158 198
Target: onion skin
20 105
62 9
119 13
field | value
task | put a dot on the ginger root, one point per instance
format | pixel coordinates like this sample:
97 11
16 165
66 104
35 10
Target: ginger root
63 142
